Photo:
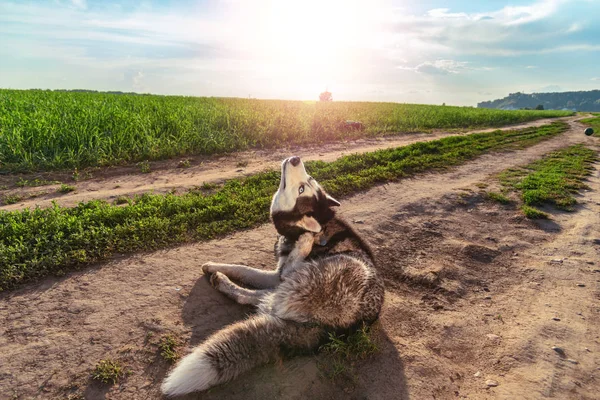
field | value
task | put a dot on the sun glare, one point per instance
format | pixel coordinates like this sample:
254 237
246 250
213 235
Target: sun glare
313 39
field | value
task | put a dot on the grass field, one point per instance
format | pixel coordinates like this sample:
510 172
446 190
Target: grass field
40 242
552 180
41 130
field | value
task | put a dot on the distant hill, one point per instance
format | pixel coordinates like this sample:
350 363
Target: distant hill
575 101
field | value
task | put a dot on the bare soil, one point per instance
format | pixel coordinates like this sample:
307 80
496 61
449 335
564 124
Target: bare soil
166 176
474 293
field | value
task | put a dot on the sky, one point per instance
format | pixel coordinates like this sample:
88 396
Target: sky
429 51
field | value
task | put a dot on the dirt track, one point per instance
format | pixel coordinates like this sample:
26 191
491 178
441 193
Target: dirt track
459 270
165 176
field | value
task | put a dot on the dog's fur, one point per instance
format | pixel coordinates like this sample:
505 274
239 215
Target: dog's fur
325 281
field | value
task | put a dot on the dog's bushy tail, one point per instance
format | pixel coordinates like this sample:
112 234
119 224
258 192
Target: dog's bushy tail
236 349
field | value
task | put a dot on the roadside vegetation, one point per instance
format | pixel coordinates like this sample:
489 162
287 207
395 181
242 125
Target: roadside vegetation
38 242
554 179
108 371
42 130
594 123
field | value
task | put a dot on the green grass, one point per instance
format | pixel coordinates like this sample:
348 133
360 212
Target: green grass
552 180
167 346
34 182
108 371
64 188
8 199
593 122
342 351
498 197
39 242
41 130
533 213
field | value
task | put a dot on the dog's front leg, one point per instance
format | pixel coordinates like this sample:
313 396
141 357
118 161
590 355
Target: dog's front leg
299 253
247 275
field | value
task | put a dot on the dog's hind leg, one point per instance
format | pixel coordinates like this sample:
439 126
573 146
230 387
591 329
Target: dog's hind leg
237 293
247 275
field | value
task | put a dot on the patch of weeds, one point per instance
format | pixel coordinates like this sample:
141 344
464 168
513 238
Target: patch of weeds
533 213
122 200
343 351
167 346
117 186
498 197
242 164
75 175
35 182
145 166
8 199
64 188
209 186
553 179
482 185
3 187
108 371
183 164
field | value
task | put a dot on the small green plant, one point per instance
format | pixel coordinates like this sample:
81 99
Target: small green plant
358 345
64 188
145 167
209 186
533 213
121 200
34 183
75 175
183 164
342 351
108 371
498 197
167 346
11 199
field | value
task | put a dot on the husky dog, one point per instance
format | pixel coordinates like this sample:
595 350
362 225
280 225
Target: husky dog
325 282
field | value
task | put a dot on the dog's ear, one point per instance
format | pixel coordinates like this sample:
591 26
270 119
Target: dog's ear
310 224
331 202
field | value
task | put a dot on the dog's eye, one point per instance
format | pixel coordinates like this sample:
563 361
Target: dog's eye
301 189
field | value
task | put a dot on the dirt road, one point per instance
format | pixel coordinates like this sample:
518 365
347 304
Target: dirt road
476 297
165 176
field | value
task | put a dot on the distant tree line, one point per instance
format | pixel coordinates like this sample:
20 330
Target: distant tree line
576 101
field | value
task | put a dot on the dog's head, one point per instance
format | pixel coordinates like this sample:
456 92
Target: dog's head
300 204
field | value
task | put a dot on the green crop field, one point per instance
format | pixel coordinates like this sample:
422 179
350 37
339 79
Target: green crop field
39 242
42 130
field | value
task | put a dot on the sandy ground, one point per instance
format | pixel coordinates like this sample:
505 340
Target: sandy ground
166 176
472 290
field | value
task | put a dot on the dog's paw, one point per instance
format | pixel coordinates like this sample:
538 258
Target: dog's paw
217 278
209 267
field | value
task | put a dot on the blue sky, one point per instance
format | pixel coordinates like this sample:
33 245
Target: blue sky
457 52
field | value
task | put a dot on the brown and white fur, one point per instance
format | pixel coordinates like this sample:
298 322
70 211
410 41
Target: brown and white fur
325 281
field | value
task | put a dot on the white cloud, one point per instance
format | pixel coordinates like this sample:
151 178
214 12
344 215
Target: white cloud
595 79
438 67
531 67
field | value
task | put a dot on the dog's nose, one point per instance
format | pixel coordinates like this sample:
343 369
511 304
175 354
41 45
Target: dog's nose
295 161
